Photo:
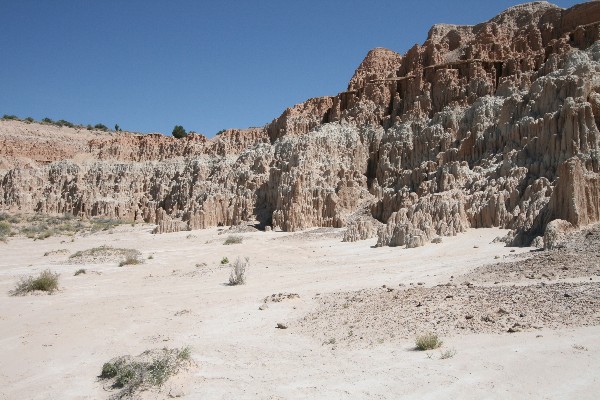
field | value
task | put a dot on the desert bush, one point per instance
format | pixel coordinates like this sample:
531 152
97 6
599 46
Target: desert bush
29 119
62 122
130 260
428 341
233 239
9 117
179 132
151 368
46 281
80 271
238 272
101 127
47 120
224 261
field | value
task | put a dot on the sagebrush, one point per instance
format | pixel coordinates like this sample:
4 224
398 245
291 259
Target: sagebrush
428 341
46 281
151 368
238 272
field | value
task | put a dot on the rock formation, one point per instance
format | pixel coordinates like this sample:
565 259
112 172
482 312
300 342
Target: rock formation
488 125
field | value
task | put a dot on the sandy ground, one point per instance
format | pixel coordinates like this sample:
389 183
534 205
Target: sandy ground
53 346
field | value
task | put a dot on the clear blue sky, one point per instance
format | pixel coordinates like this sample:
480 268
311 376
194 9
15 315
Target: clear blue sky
207 65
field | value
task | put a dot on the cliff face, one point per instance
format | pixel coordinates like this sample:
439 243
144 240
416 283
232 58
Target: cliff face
488 125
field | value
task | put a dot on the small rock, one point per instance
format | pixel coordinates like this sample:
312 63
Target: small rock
468 317
567 295
263 307
420 283
475 247
281 326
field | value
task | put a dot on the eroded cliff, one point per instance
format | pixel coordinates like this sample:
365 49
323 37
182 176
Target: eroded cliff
488 125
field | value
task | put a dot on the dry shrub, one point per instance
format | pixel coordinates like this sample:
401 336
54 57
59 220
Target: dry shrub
238 272
46 281
428 341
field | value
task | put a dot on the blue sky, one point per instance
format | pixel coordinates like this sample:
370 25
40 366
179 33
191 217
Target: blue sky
207 65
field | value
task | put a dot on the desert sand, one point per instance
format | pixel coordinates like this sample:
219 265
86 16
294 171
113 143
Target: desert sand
54 346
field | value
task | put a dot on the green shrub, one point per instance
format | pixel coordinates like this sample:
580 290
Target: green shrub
179 132
101 127
29 119
46 281
428 341
224 261
9 117
62 122
47 121
234 239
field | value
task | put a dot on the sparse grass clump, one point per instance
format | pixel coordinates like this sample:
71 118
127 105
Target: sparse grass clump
149 369
447 354
46 281
233 239
238 272
428 341
80 271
